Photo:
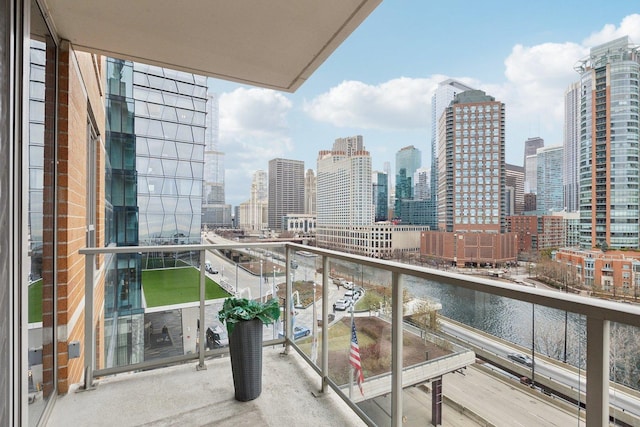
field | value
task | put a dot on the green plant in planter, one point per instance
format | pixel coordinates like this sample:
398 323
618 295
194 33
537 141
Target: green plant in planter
244 319
236 310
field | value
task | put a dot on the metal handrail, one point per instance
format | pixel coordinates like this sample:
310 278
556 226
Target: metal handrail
598 313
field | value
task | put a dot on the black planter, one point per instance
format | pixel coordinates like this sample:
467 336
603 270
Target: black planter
245 347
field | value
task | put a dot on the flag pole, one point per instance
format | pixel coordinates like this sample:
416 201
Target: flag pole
351 370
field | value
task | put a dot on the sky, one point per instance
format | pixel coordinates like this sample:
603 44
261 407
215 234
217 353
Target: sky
379 82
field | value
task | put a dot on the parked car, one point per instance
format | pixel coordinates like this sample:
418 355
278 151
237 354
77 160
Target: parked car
521 358
216 337
347 284
298 332
342 304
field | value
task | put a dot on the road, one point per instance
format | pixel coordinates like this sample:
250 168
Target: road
554 371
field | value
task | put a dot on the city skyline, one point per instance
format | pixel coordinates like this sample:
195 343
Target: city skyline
379 84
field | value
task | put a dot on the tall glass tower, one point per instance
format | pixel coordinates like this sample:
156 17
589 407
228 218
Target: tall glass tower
609 126
154 173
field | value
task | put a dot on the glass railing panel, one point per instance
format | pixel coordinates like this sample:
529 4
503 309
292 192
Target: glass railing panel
624 371
477 338
151 307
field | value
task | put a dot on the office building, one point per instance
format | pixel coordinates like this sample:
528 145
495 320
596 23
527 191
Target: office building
310 192
422 191
408 160
609 126
286 190
515 181
550 195
531 146
253 214
380 193
155 141
571 144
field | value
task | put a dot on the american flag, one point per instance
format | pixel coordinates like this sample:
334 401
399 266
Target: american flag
354 357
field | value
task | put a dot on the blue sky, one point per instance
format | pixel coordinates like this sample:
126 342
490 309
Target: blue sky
379 82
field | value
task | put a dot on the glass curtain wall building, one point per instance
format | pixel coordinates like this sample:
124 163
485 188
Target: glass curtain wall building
609 126
154 173
215 213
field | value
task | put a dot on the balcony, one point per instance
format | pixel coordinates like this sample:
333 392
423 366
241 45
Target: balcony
302 388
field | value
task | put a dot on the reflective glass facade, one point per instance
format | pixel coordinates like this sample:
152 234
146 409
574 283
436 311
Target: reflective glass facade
155 139
609 126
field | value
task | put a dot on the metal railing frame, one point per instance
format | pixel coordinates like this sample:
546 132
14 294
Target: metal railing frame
598 313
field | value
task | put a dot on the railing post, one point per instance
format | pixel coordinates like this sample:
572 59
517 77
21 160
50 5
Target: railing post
396 350
597 372
288 311
325 322
201 366
89 349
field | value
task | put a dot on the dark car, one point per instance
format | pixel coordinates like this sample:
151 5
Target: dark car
216 337
521 358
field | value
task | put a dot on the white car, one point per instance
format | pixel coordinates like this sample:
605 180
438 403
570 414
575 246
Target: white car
347 285
342 304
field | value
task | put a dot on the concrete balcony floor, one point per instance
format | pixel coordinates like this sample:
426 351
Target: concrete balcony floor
182 395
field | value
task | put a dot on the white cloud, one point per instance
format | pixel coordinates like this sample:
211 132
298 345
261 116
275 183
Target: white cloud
253 129
400 104
629 26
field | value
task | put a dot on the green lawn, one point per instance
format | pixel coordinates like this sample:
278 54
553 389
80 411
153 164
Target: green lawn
176 286
35 301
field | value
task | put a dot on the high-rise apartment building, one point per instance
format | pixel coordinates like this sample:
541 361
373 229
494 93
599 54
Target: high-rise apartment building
440 100
286 190
380 195
609 127
571 143
515 181
310 192
531 146
215 213
471 162
550 194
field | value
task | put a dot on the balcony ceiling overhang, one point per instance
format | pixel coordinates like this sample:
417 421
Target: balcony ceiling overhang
276 44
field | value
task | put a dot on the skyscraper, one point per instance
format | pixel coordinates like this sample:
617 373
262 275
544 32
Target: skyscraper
550 194
286 190
155 140
344 189
440 100
380 195
471 164
531 146
408 160
515 180
571 142
215 213
609 126
310 192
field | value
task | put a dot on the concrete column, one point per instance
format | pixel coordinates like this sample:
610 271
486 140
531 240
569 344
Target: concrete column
597 372
396 350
